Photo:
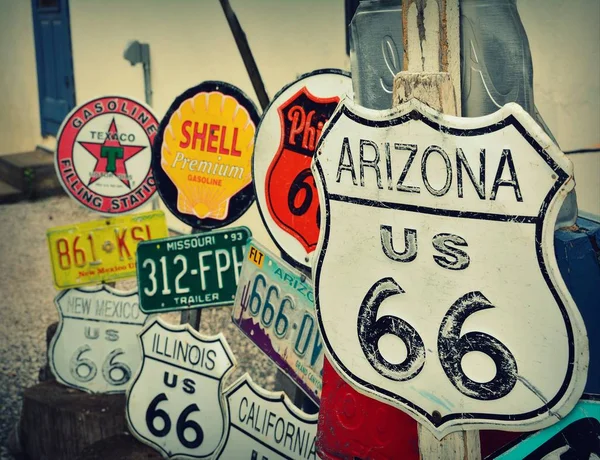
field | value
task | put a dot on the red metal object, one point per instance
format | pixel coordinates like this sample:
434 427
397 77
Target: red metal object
352 425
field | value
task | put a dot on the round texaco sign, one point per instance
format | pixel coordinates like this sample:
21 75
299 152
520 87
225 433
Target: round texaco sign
103 154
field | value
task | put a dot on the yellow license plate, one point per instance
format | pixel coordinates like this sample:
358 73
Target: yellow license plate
101 250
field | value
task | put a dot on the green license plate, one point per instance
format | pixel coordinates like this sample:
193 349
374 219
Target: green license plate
192 271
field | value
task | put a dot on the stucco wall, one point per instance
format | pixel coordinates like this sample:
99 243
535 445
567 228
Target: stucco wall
564 37
191 42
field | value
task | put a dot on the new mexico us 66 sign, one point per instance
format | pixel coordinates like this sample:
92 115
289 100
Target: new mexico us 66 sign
436 284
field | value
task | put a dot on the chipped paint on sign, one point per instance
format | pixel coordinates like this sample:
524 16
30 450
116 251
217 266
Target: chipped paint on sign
436 273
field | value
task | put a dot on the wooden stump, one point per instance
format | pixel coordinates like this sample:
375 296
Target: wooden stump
45 372
120 447
59 422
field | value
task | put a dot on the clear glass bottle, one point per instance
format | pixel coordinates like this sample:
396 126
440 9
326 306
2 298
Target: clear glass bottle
375 51
496 68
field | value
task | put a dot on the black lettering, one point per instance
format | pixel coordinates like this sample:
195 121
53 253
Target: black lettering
91 334
455 259
289 434
279 423
210 356
410 246
173 382
346 167
442 191
244 400
461 162
189 386
513 182
412 148
388 166
373 163
143 118
112 335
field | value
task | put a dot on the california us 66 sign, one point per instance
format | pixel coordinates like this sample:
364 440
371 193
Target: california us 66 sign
175 403
266 425
96 348
437 289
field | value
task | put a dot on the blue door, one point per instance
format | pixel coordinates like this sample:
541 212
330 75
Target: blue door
54 62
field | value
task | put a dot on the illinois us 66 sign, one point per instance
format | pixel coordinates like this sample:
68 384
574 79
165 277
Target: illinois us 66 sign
436 285
174 403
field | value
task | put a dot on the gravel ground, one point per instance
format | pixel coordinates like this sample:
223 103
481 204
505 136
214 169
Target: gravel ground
26 308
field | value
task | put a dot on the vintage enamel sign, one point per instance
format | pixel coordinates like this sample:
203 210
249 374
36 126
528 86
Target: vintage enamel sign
202 156
274 307
436 284
175 403
266 425
574 437
192 271
101 250
285 143
95 348
103 154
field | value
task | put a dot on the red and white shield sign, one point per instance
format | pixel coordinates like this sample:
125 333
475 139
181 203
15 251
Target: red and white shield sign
436 284
285 144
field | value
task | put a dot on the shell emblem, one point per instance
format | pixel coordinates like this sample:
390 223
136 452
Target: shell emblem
206 153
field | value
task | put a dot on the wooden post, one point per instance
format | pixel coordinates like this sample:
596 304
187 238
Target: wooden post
432 60
431 36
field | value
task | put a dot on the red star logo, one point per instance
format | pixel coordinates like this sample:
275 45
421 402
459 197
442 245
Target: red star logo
111 156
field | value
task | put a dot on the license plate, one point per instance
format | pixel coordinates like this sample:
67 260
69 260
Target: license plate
274 307
101 250
192 271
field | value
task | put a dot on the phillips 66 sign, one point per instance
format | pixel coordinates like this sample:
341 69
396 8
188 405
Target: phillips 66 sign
436 284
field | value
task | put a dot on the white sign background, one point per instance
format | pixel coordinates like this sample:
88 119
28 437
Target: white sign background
175 404
265 424
95 347
509 244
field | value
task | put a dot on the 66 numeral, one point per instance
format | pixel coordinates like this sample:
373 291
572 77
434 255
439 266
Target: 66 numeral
301 195
84 369
183 424
451 346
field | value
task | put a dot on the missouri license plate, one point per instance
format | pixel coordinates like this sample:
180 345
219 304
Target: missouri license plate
274 307
191 271
101 250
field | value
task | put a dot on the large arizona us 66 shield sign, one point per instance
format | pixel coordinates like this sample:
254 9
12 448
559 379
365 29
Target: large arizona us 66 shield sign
437 289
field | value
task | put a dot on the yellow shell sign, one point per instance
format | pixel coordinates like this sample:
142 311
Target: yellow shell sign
202 157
